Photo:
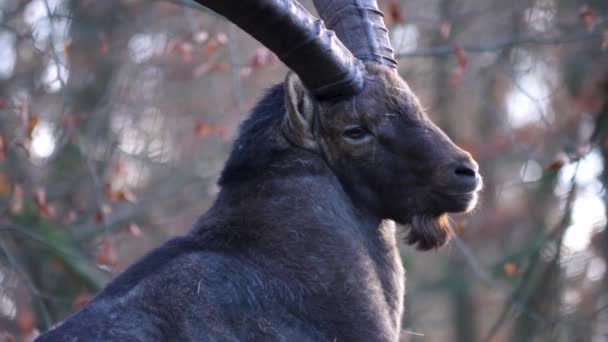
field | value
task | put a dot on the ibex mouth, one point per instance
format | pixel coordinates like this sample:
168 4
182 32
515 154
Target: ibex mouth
462 202
467 201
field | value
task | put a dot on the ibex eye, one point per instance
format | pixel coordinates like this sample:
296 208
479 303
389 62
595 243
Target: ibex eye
356 133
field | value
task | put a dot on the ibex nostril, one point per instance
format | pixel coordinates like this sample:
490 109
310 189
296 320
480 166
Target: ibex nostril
465 171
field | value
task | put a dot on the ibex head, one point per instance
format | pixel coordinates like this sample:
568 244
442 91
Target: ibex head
346 102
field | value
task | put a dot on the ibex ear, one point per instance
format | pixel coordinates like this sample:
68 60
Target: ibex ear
298 125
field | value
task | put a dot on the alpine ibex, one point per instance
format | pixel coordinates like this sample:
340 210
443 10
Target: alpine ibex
300 245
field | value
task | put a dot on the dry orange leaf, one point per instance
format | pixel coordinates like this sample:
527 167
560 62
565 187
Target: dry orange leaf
17 200
118 196
588 16
202 129
445 29
134 230
559 161
102 213
221 38
396 13
107 253
25 322
67 47
510 269
459 229
461 56
40 197
200 37
81 301
185 51
5 186
2 148
125 195
6 337
31 125
221 131
109 192
104 45
70 217
262 58
118 168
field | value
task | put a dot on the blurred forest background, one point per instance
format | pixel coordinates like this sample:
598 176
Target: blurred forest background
116 117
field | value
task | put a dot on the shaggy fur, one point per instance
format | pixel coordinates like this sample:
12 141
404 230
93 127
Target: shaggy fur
283 255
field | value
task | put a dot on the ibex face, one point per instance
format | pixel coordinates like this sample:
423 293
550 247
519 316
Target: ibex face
391 159
389 156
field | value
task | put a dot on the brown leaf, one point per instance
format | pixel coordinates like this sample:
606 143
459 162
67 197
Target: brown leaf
246 71
67 47
262 58
200 37
125 195
118 168
26 322
5 186
134 230
109 192
184 50
17 200
81 301
48 211
40 197
558 162
219 67
461 56
107 253
31 125
104 45
459 229
211 47
6 337
71 121
70 217
102 213
24 111
588 16
396 13
510 269
221 131
202 129
3 148
221 38
445 29
2 103
462 59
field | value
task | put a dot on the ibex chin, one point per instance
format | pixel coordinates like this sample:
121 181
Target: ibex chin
300 244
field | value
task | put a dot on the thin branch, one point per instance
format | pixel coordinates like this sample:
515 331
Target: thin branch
555 233
29 283
501 44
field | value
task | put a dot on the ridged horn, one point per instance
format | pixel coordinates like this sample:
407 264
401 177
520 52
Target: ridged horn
359 24
326 67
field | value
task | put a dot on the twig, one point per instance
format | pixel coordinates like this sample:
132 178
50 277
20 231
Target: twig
446 50
558 231
29 283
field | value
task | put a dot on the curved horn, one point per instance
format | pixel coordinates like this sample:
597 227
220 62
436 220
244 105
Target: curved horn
301 41
360 26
